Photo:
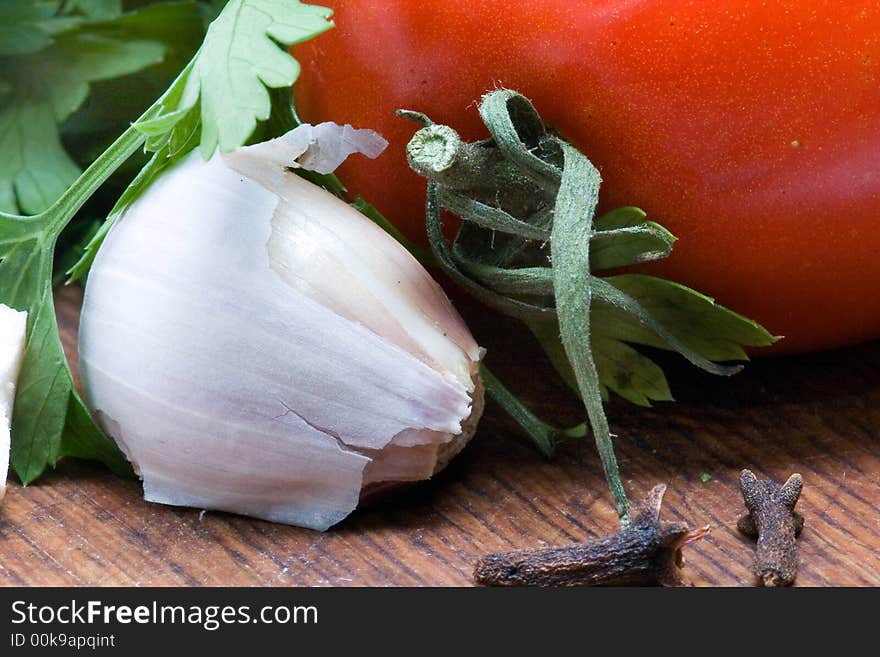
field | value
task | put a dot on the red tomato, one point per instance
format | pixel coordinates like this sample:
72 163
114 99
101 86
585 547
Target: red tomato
749 128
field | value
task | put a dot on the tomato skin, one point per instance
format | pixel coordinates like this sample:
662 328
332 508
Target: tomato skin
750 129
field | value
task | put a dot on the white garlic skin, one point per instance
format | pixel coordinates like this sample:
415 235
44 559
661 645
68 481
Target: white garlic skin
13 330
264 349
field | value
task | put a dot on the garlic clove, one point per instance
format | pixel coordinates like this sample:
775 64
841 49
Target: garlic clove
232 385
385 288
13 327
316 241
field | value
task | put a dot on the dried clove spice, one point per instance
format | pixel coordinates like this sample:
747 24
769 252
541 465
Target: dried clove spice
648 552
776 524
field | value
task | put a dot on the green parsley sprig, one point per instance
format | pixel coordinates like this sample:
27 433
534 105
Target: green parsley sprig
51 420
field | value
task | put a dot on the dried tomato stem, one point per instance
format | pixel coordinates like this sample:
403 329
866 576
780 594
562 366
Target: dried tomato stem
518 193
438 153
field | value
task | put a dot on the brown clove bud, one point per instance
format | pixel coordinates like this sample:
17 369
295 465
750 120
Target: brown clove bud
648 552
776 524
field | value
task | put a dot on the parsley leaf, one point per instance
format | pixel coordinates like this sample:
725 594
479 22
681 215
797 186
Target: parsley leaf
672 317
27 26
240 57
46 87
49 86
623 237
628 373
700 326
102 9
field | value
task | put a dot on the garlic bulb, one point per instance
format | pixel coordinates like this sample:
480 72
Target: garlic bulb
256 345
13 325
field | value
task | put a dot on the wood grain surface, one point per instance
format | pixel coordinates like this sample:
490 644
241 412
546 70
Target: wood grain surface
817 415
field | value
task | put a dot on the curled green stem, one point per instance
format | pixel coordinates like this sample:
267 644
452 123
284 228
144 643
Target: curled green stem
515 193
575 207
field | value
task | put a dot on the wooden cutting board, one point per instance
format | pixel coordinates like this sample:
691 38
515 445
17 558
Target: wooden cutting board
817 415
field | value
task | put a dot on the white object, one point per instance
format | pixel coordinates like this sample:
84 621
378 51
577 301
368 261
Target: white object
13 327
256 345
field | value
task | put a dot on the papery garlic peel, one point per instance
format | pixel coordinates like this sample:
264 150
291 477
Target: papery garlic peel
256 345
13 325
